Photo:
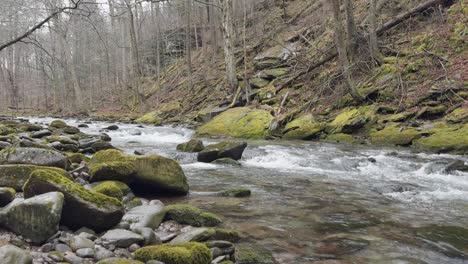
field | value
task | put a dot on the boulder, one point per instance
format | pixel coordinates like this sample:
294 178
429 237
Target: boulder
240 122
57 124
163 112
236 193
113 189
190 215
36 218
112 127
7 195
33 156
194 145
16 175
122 237
351 120
193 234
10 254
145 216
458 115
79 242
445 139
227 161
304 127
207 114
394 134
71 130
83 208
41 133
153 172
188 253
220 150
5 145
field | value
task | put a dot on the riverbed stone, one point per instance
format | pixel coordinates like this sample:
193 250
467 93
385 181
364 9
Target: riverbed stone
190 215
194 145
247 254
339 245
16 175
240 122
10 254
187 253
225 149
79 242
33 156
149 236
193 234
122 237
6 195
304 127
83 208
41 133
36 218
145 216
57 124
152 172
85 253
120 261
450 240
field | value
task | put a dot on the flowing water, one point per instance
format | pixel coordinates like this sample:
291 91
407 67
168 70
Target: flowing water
314 201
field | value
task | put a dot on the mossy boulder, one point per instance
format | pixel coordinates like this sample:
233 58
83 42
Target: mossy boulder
77 157
351 120
193 234
225 149
400 117
395 134
28 127
5 130
83 208
165 111
16 175
446 139
188 253
36 218
459 115
431 112
240 122
6 195
58 124
242 192
227 235
71 130
33 156
194 145
109 188
190 215
304 127
249 254
153 172
63 140
274 73
266 93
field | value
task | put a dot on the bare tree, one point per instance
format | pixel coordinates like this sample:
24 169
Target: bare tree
228 34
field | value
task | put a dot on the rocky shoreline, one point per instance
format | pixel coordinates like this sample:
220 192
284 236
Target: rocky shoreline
71 197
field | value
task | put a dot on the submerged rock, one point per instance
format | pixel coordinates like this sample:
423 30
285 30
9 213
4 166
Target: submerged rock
15 176
450 240
190 215
235 193
227 161
247 254
10 254
226 149
36 218
83 208
33 156
188 253
241 122
339 245
145 172
194 145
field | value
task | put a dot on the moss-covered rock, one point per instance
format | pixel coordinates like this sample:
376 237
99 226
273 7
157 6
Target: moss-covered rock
188 253
153 172
16 175
33 156
5 130
395 134
109 188
241 122
63 140
57 124
6 195
190 215
458 115
227 161
77 157
83 208
266 93
400 117
227 235
248 254
194 145
351 120
258 82
71 130
242 192
446 139
304 127
273 73
163 112
225 149
431 112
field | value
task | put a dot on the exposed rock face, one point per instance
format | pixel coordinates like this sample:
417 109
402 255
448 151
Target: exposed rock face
36 218
10 254
33 156
16 175
145 172
83 208
165 111
220 150
241 122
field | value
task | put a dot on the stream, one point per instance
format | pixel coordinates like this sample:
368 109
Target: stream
316 201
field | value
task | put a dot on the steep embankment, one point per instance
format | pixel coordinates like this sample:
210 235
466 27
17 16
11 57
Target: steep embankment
416 96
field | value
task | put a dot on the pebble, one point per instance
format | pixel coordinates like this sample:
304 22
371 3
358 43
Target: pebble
85 252
62 248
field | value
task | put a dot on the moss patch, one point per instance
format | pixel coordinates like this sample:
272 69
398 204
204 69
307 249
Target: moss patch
446 139
236 193
190 215
15 176
394 134
304 127
187 253
111 189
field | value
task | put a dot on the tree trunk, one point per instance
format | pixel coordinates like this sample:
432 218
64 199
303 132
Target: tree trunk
229 56
188 44
352 39
373 46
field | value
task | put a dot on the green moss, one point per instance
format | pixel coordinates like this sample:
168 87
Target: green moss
66 185
63 140
190 215
116 170
400 117
227 235
241 122
110 189
246 253
276 72
16 175
163 112
58 124
77 157
352 120
457 116
258 82
5 130
446 139
194 145
108 156
305 127
394 134
266 93
187 253
242 192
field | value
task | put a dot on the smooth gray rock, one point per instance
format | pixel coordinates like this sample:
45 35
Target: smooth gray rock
62 248
34 156
145 216
150 238
41 134
122 237
77 242
72 258
101 253
36 218
10 254
85 253
195 234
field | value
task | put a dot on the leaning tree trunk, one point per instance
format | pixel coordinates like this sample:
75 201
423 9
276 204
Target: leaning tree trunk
228 32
